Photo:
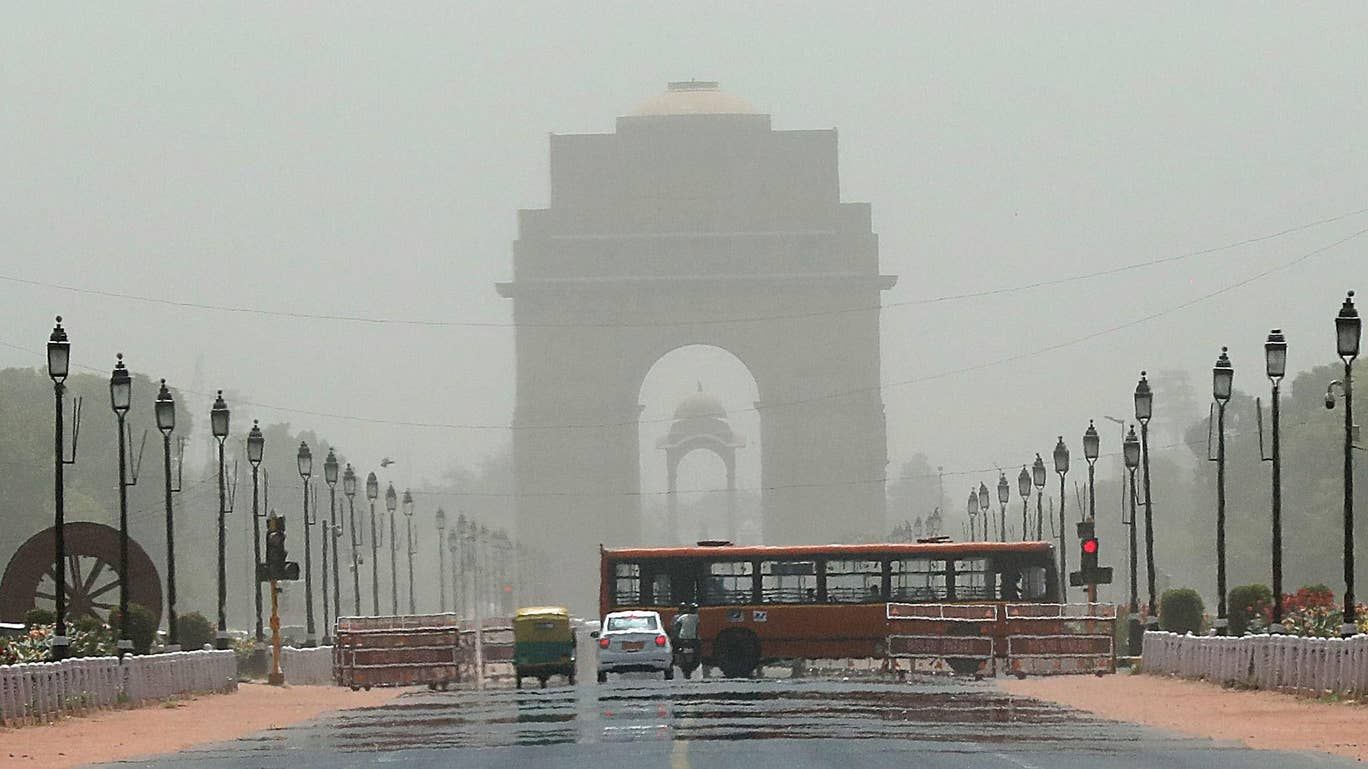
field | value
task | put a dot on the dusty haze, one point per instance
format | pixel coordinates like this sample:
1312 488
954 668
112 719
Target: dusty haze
369 161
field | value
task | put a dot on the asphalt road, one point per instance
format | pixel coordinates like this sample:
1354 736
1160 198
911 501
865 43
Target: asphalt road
757 724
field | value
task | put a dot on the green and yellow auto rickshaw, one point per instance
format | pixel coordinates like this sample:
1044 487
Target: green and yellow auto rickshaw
543 644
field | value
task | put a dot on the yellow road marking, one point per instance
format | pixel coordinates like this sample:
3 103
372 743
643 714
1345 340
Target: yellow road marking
679 756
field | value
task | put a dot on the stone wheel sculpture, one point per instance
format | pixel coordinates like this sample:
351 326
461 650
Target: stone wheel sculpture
93 578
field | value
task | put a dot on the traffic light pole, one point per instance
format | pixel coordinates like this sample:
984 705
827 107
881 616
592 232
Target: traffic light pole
276 677
1092 517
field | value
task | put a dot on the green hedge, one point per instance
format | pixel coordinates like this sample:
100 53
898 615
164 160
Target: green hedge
193 631
1181 610
1247 605
142 627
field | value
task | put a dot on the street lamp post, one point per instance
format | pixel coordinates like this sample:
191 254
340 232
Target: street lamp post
1004 491
304 463
1275 366
1091 451
1222 378
324 535
165 412
1092 445
453 544
59 364
333 530
461 601
349 491
971 509
256 449
1144 410
502 587
121 399
1348 331
373 491
1024 488
1038 480
1061 464
441 560
408 536
482 567
218 424
984 510
1130 448
391 502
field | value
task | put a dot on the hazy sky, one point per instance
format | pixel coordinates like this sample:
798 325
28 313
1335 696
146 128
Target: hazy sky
370 159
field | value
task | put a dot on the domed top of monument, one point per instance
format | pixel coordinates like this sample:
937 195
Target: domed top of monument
700 405
701 417
694 97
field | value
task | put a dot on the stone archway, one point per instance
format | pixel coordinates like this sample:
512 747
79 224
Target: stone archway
695 223
700 424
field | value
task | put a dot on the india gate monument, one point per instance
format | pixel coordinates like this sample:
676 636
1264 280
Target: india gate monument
695 223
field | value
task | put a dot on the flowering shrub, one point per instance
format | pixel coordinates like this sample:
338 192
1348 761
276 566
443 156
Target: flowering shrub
1312 611
89 638
32 646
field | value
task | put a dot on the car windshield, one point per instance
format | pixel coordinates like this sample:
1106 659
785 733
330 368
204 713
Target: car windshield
632 623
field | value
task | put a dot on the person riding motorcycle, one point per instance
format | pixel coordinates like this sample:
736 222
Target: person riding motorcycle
684 628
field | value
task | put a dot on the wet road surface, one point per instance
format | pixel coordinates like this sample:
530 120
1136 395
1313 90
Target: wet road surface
756 724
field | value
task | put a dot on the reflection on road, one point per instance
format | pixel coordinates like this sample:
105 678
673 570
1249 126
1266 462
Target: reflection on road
937 710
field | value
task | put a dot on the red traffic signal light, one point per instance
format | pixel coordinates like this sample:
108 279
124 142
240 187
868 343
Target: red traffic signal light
1090 546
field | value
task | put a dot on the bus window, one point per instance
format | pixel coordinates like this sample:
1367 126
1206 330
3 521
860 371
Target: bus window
660 589
627 584
973 581
788 581
854 581
728 582
1034 585
918 579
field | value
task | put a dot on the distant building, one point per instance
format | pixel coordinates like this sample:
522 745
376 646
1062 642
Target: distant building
695 210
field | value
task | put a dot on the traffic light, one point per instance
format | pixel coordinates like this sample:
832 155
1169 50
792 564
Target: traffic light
1087 543
1089 573
276 567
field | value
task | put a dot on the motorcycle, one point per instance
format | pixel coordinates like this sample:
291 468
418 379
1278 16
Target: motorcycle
686 657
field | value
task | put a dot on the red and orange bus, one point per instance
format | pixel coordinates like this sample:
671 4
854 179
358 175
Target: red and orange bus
759 604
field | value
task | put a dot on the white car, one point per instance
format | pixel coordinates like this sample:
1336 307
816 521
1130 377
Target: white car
634 642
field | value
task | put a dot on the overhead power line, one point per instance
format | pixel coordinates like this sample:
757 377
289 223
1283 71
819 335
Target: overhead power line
796 402
401 321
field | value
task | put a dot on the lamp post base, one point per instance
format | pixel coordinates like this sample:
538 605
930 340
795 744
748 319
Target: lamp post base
1135 636
1277 629
1348 630
258 663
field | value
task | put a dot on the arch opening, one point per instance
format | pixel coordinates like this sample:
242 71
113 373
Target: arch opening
699 438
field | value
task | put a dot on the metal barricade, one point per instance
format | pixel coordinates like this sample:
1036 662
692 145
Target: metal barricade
1052 639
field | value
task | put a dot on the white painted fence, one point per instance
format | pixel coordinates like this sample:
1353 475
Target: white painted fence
307 667
1280 662
39 691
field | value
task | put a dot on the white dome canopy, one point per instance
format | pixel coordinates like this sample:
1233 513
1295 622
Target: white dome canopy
695 97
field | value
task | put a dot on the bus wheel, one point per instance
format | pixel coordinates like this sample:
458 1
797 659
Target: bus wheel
738 652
